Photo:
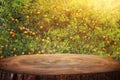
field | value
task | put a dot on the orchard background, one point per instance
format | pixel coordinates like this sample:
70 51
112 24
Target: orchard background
60 26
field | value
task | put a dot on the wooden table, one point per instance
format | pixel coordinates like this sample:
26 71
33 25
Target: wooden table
59 67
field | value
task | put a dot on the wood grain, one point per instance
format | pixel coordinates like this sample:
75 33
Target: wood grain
59 64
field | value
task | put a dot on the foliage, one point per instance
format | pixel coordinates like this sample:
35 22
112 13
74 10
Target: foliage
59 26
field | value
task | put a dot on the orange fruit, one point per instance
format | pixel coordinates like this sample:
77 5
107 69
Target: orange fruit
29 53
23 53
43 40
25 32
103 49
13 35
38 12
14 49
57 24
108 42
71 37
58 39
15 54
103 37
33 33
41 27
27 16
42 51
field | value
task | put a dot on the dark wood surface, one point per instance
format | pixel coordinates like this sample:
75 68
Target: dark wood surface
59 67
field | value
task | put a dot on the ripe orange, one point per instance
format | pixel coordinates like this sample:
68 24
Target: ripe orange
11 33
27 17
108 42
103 37
42 51
38 12
25 32
58 39
43 40
23 53
14 49
33 33
41 27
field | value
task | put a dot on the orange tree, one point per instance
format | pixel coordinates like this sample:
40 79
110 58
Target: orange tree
59 26
13 38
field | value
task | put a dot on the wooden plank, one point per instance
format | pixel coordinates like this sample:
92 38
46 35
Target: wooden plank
62 66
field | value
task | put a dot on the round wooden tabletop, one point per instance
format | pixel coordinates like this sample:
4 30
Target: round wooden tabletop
57 64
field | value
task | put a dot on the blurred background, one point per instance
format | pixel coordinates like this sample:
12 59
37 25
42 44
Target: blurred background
60 26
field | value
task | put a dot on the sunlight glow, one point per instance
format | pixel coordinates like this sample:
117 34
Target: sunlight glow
97 4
